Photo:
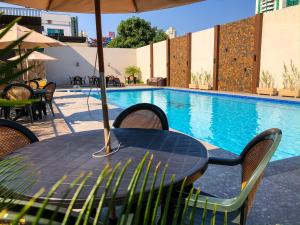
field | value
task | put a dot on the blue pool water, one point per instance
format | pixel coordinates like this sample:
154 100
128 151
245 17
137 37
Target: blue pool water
225 121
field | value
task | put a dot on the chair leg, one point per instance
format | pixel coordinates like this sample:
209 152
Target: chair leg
44 109
51 107
40 109
30 113
244 213
6 113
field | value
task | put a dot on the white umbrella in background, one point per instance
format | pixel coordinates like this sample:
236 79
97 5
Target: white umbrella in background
33 40
35 56
106 6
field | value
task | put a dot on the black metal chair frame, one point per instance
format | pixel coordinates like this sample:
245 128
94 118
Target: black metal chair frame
143 106
78 80
16 126
27 107
47 101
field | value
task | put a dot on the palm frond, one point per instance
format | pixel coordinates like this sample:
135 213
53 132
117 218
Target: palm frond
136 209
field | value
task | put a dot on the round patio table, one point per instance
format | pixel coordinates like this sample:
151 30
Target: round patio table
72 154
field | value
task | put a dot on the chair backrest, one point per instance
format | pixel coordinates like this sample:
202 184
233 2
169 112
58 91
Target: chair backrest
14 136
50 88
78 78
34 84
18 92
255 158
117 80
143 115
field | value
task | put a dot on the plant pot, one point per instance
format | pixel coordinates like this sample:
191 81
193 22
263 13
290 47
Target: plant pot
289 93
193 86
266 91
205 87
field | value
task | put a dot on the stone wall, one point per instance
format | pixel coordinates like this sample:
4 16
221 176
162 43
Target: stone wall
179 54
236 53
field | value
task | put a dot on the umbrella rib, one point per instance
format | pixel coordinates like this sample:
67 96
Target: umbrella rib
135 5
49 4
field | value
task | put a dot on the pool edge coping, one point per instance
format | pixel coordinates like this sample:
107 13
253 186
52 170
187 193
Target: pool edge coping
200 92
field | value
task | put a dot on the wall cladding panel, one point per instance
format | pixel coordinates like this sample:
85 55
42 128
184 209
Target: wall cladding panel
236 54
179 62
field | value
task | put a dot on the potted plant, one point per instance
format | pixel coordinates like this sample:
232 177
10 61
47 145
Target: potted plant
194 81
291 81
205 81
132 74
266 83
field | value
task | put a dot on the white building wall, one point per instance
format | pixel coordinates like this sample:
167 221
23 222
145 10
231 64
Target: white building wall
202 53
72 61
160 59
280 41
143 61
57 21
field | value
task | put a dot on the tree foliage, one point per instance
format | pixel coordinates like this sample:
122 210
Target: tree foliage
136 32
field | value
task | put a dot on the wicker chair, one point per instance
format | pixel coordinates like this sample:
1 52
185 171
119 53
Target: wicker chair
14 136
50 88
34 84
253 161
19 92
143 115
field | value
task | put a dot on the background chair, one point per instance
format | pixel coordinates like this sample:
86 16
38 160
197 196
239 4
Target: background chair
253 160
143 115
71 80
117 82
19 92
50 89
34 84
14 136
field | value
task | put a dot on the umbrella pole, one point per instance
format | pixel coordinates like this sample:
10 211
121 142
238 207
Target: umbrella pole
102 76
21 64
27 66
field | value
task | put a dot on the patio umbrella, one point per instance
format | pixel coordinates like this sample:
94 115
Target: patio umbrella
34 57
106 6
33 40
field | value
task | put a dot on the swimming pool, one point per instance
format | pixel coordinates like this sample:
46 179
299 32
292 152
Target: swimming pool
226 121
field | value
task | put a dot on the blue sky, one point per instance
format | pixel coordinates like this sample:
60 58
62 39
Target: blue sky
184 19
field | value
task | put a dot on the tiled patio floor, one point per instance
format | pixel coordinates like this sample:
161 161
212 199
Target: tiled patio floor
277 200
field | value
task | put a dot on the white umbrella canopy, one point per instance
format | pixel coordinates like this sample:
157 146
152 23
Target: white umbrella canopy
35 56
98 7
107 6
34 39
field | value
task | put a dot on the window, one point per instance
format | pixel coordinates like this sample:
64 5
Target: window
49 21
55 32
291 2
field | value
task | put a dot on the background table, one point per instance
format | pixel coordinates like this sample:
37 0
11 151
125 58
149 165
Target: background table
71 154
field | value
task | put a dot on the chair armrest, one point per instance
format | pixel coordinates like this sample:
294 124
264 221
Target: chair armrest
225 162
212 203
